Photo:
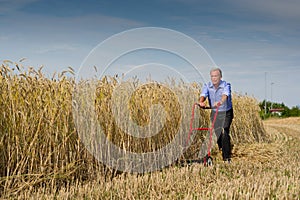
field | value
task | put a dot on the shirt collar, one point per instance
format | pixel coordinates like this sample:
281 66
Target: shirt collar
222 84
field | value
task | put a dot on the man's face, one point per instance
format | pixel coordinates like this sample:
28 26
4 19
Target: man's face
215 77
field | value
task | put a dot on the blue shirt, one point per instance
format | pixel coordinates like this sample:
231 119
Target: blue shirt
215 94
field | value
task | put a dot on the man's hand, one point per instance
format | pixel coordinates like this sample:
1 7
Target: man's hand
217 104
202 104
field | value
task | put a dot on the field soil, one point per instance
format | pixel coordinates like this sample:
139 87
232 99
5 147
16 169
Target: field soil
269 170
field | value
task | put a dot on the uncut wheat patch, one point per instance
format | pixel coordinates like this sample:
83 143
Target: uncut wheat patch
40 146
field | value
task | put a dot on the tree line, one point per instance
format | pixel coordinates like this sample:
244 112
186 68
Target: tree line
285 111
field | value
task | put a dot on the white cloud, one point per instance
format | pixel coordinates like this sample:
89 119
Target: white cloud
57 47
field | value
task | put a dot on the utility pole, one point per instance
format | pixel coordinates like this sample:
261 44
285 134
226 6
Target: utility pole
265 93
272 95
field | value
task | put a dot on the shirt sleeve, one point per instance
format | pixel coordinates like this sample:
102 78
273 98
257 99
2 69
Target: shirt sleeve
227 89
204 91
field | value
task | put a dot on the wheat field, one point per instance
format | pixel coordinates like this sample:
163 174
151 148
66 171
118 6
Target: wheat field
43 157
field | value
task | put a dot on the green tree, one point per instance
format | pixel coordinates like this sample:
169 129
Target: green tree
287 112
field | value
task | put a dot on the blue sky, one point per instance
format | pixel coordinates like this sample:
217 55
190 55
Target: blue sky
245 38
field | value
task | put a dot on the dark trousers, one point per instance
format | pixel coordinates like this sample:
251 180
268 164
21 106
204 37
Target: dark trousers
222 127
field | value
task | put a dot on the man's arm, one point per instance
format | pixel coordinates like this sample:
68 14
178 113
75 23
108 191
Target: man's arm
227 92
201 101
224 99
203 95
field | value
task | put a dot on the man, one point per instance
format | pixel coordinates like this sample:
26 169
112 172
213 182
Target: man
218 93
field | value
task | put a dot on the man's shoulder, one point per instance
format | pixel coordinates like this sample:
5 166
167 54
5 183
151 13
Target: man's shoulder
224 83
208 84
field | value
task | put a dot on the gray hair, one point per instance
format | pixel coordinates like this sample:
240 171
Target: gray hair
216 69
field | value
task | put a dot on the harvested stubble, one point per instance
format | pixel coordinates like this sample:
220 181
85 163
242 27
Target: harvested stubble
39 142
